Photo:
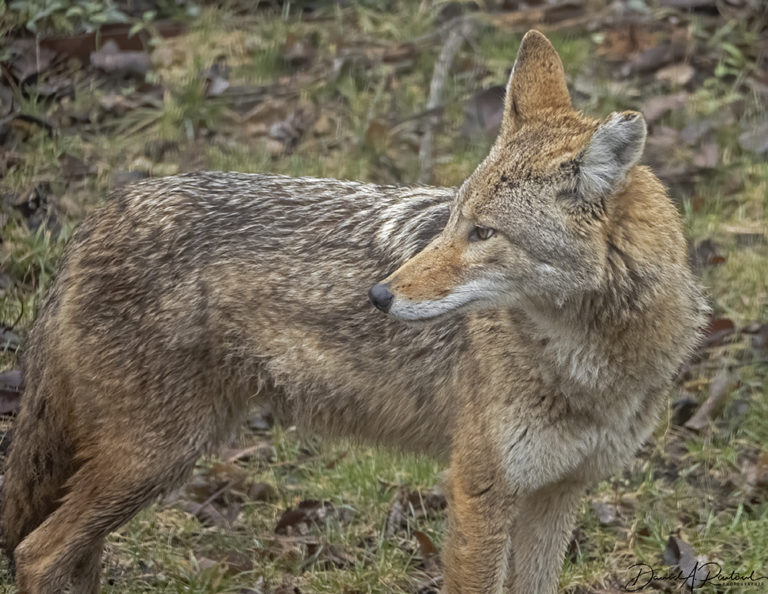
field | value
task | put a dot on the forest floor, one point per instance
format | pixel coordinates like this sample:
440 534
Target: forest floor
342 90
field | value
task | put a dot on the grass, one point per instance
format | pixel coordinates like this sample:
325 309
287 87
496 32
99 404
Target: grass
364 124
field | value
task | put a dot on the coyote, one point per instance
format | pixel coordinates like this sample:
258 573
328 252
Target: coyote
536 316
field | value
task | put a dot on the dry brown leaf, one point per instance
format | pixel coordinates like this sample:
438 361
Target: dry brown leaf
606 513
760 338
705 253
483 112
261 492
718 330
309 514
11 388
681 554
669 50
111 59
679 74
426 546
707 156
414 504
755 138
657 107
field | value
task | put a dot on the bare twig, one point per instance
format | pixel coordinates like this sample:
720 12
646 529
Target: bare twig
18 318
719 388
436 87
213 497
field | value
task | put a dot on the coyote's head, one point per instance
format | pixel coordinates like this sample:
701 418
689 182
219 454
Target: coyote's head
530 222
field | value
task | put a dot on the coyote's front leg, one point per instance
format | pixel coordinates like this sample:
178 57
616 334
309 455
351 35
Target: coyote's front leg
540 537
480 510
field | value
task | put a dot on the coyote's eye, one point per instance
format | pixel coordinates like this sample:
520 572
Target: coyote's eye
479 233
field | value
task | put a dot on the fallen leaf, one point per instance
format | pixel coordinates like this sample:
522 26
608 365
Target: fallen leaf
11 388
110 58
117 103
755 138
9 340
308 514
261 420
705 253
755 472
426 545
657 107
621 42
679 74
322 126
718 330
760 338
122 178
215 496
235 562
413 504
707 156
28 58
284 588
400 53
682 555
662 153
655 57
290 549
377 135
211 515
217 78
753 327
575 543
74 168
695 130
327 556
430 560
483 112
297 51
606 512
689 4
204 563
261 492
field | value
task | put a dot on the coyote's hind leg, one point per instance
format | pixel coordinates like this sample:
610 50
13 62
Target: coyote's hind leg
64 552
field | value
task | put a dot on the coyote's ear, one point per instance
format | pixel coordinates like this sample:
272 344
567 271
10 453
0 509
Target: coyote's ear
613 150
537 82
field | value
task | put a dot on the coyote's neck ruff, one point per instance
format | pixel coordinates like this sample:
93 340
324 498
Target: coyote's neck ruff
536 316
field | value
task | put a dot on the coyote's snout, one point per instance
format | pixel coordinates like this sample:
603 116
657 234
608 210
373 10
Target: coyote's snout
556 275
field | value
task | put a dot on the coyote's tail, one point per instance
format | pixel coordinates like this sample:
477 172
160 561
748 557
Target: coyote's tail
40 460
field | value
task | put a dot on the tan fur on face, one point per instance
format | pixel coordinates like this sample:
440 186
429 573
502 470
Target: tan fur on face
430 275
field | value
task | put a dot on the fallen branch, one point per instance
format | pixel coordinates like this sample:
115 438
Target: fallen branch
719 388
436 87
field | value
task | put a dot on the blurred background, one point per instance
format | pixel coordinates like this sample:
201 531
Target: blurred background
95 94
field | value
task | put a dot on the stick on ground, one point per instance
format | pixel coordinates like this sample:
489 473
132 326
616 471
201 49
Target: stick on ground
436 87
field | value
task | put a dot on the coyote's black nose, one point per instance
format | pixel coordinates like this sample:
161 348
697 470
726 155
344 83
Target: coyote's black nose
381 297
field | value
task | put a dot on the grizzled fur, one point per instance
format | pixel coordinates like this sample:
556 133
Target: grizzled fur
537 365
